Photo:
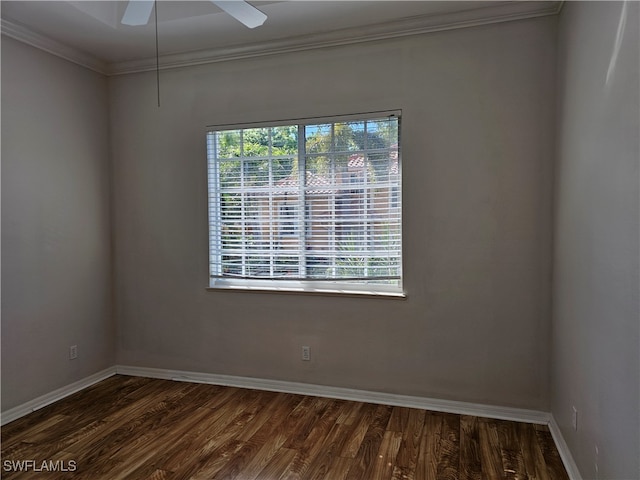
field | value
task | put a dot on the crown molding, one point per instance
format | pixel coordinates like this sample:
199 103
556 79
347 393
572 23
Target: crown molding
501 12
496 13
25 35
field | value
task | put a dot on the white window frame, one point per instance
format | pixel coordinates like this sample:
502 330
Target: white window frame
325 286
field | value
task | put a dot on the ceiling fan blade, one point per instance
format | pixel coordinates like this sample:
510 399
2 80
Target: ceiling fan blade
137 12
242 11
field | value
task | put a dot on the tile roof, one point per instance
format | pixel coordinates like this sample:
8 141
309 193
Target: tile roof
322 184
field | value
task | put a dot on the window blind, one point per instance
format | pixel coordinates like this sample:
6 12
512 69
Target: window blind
306 202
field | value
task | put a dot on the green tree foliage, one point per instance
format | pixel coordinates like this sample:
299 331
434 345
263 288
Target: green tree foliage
253 157
264 148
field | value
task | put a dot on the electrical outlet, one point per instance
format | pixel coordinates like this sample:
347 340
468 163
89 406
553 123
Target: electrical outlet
73 352
574 418
595 465
306 353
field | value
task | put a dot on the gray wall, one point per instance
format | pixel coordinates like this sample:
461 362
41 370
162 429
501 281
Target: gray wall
478 115
596 345
55 224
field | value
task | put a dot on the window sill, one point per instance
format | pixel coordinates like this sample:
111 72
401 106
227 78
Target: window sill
289 290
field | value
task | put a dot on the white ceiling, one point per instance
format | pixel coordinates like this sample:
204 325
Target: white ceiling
91 30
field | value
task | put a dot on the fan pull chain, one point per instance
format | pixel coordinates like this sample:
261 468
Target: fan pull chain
157 54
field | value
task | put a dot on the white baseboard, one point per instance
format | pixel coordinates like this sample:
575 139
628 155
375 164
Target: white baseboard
49 398
563 450
448 406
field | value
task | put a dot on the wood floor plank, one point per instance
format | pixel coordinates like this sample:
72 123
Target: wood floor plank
314 408
191 447
260 447
48 449
538 457
159 475
268 440
362 468
107 452
531 452
551 456
352 446
215 441
439 448
399 419
449 454
512 460
328 450
127 451
386 459
331 446
470 458
492 468
278 464
311 447
210 465
144 404
269 403
35 430
339 468
99 395
429 450
144 455
410 446
351 414
146 429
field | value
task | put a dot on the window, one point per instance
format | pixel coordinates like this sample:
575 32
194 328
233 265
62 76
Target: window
308 206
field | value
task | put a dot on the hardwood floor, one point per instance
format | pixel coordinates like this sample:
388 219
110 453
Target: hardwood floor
139 428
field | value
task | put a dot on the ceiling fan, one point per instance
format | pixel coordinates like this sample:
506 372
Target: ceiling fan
138 12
